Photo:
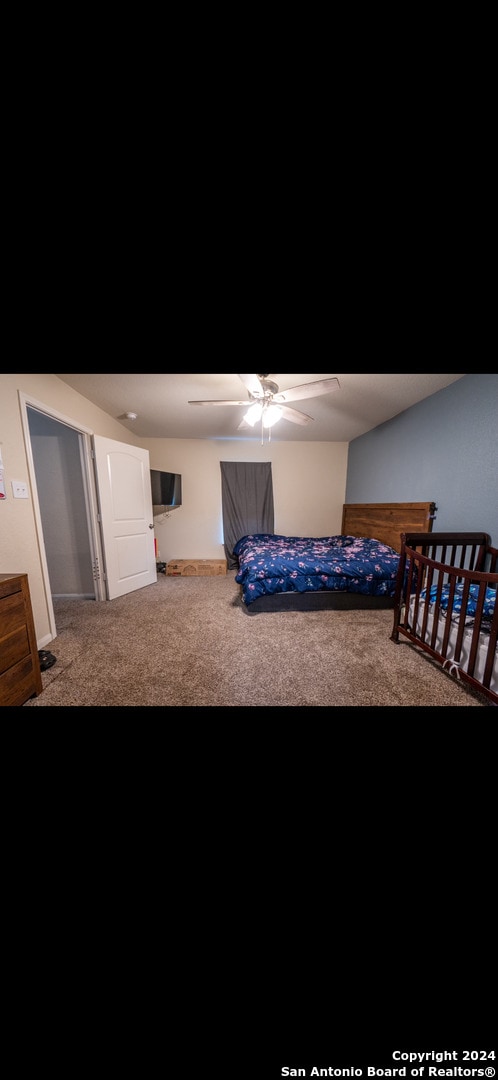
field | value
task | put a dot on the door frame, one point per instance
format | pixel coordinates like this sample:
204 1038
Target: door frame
90 493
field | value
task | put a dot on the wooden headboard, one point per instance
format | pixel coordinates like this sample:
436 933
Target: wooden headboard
386 521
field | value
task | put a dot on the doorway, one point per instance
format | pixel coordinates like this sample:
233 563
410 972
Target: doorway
57 452
92 503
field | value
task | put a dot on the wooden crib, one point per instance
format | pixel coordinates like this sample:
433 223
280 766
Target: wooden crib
445 604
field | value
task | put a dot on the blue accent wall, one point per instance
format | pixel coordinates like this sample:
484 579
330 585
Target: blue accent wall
445 449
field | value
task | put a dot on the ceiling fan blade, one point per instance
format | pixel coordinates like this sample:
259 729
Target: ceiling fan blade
311 389
246 403
253 384
295 415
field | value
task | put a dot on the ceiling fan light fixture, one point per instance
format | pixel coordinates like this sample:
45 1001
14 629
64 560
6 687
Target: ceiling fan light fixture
253 414
271 415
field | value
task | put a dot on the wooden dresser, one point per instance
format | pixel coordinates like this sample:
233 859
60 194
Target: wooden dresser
20 676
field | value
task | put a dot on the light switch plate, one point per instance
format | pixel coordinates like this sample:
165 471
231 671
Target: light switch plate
19 489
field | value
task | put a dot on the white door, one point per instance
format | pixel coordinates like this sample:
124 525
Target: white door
125 505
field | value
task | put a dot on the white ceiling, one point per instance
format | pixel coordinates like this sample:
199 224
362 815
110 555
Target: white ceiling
161 404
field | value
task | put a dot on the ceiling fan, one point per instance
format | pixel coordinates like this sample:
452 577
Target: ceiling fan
268 404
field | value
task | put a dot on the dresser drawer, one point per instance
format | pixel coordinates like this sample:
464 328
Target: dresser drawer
14 647
9 584
12 614
18 683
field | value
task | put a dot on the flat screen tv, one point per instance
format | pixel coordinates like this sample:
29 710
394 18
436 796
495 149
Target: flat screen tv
166 490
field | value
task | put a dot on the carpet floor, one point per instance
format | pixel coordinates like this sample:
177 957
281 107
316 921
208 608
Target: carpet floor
189 642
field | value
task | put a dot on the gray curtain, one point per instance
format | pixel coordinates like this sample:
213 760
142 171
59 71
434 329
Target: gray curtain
247 502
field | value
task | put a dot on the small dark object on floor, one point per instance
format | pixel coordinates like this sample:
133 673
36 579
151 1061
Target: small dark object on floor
47 659
161 567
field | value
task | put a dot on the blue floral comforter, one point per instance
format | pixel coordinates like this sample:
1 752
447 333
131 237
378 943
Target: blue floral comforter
270 563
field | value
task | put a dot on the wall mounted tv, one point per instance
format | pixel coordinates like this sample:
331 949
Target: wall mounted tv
166 490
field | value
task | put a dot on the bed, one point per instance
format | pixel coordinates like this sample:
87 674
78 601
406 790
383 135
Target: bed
445 604
354 569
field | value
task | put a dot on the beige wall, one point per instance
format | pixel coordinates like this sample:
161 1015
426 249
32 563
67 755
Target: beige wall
309 483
